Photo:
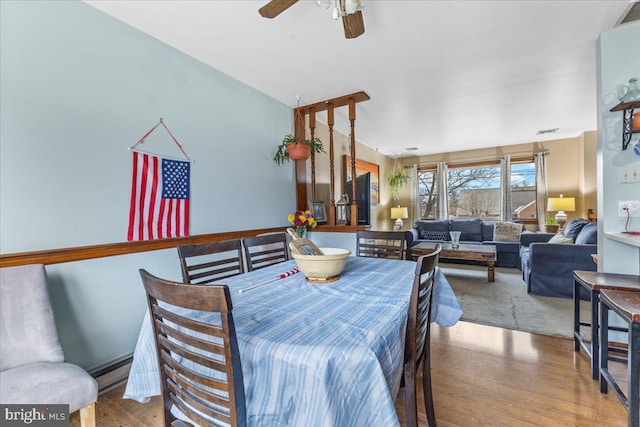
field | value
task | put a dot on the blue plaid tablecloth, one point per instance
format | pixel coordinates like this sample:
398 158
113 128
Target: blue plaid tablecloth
316 354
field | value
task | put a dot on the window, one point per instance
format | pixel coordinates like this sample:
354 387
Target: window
523 190
474 192
427 196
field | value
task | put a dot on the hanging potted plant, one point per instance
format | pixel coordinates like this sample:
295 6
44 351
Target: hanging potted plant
292 148
397 180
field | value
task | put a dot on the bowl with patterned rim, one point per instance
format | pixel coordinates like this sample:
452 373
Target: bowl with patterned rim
322 268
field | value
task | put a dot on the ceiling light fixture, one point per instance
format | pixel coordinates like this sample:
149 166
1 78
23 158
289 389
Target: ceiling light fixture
341 7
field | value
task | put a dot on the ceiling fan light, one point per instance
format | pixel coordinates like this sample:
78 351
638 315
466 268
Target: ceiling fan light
324 4
350 6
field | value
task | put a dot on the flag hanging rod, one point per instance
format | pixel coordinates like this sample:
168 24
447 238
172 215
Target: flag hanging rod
161 122
164 157
340 101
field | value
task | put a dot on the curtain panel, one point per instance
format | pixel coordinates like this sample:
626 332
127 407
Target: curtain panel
415 198
505 188
442 211
542 191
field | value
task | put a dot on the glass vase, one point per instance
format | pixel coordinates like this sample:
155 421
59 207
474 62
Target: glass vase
630 93
455 239
301 232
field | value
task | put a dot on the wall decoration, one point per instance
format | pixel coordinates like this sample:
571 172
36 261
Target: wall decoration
317 209
363 167
159 207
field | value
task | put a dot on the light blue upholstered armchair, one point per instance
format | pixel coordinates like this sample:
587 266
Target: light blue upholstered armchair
32 367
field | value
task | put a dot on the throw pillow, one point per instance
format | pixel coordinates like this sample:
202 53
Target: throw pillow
441 226
559 238
588 235
436 235
507 232
574 227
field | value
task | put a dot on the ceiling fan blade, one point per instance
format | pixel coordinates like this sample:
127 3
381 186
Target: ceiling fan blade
275 8
353 25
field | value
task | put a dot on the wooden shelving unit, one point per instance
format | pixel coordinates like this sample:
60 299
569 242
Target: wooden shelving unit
627 114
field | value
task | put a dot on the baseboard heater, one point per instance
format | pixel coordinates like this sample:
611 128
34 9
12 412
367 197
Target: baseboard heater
113 373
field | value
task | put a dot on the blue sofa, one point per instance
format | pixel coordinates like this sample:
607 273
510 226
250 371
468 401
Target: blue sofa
547 268
473 231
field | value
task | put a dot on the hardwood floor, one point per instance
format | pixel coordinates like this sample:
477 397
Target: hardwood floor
482 375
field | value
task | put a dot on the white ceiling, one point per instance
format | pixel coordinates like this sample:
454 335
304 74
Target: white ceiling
442 75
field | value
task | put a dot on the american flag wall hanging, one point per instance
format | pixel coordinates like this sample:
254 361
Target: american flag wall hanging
159 206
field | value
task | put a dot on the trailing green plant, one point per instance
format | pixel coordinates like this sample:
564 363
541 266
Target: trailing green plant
397 180
282 154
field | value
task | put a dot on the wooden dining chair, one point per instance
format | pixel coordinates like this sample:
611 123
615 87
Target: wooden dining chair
417 352
380 244
264 250
205 398
209 262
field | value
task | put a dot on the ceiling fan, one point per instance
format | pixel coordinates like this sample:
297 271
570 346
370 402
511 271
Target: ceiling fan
350 10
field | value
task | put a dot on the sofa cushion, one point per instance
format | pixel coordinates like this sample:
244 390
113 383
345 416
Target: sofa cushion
573 228
504 246
437 235
470 229
487 230
507 232
431 226
588 235
560 239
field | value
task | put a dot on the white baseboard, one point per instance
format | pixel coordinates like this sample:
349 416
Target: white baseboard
113 379
112 374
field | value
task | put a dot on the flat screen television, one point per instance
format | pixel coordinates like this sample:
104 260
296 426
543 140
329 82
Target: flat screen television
363 197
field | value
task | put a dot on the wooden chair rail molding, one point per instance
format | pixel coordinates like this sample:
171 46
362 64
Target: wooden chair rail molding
80 253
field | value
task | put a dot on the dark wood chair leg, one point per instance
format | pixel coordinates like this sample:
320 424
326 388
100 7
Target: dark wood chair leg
410 402
426 387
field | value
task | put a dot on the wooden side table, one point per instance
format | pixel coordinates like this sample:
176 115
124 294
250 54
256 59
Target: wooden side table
626 305
595 282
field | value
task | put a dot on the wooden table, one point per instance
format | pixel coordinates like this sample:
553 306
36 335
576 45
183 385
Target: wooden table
482 253
595 282
626 305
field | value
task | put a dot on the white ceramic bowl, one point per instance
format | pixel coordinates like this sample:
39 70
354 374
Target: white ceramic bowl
320 267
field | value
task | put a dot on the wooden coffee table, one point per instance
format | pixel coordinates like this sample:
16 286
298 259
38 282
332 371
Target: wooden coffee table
483 253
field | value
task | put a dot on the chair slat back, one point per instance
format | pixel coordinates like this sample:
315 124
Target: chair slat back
199 362
418 323
210 262
417 352
380 244
265 250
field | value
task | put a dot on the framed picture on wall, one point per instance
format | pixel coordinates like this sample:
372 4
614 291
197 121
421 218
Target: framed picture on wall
317 209
363 167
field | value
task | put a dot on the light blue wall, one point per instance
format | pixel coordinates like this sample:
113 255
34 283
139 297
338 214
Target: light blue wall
78 87
618 61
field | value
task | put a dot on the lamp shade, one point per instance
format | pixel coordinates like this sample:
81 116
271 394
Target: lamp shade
561 204
399 213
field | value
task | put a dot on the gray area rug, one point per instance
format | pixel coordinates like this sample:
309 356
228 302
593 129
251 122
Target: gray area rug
506 304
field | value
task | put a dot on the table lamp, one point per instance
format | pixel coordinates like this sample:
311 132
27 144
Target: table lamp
399 214
561 204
